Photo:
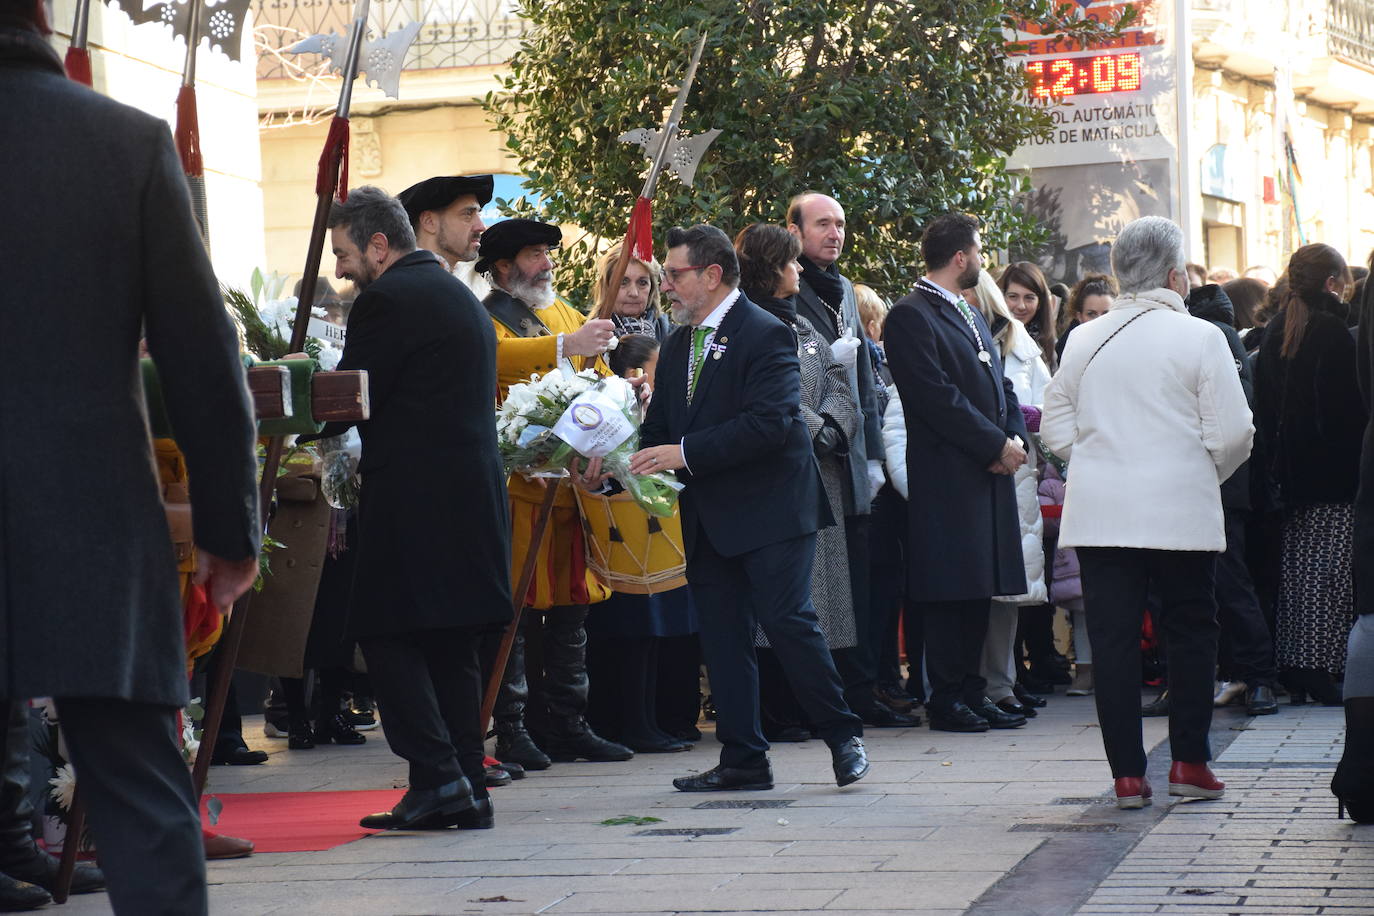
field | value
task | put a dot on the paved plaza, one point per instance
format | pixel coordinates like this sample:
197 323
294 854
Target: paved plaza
1010 822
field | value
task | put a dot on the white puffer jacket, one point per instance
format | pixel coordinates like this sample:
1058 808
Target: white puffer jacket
1026 368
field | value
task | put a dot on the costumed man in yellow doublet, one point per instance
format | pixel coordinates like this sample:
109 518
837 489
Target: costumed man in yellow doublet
203 622
541 712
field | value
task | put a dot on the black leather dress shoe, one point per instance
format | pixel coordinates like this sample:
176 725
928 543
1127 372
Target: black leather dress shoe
495 777
1015 707
997 718
956 718
481 816
879 716
35 866
1260 701
724 778
850 760
657 746
18 895
424 809
515 770
238 756
788 734
1028 699
1157 707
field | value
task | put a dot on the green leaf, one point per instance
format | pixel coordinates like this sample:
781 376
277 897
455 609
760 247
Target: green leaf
630 820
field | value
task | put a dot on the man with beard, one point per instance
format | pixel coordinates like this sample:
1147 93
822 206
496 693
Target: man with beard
446 214
726 417
546 678
433 530
965 439
826 299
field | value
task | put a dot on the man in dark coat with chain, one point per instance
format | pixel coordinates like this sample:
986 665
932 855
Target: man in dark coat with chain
102 247
965 439
433 528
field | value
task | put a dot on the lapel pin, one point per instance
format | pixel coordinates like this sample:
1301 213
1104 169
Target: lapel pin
716 355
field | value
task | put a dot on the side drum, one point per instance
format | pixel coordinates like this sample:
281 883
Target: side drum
627 548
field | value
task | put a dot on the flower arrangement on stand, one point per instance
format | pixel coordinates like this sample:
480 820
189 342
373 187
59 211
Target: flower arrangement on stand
548 421
268 318
49 744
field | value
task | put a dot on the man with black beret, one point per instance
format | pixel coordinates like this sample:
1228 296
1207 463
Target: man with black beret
446 214
535 333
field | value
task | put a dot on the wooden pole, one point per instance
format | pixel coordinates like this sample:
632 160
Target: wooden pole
66 867
522 587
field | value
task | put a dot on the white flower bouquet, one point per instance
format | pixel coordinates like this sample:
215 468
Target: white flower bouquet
546 422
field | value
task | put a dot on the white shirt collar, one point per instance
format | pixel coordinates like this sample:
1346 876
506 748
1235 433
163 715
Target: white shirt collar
717 315
948 296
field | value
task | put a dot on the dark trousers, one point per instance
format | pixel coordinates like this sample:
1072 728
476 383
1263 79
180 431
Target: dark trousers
1247 646
428 687
679 683
143 812
768 587
1116 583
858 664
887 581
954 634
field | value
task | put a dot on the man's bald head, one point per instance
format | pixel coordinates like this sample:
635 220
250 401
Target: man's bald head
817 220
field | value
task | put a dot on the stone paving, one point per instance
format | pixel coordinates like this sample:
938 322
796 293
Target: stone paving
1008 822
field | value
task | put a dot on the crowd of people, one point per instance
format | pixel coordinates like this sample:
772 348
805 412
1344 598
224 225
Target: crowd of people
959 502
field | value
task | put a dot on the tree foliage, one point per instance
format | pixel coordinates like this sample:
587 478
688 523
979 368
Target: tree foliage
900 110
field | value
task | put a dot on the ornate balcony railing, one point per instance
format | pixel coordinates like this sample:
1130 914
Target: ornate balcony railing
456 33
1350 29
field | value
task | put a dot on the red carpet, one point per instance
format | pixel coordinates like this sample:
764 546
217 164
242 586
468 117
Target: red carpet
298 821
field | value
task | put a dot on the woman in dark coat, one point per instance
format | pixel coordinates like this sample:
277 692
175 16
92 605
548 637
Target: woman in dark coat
770 277
1353 782
1310 420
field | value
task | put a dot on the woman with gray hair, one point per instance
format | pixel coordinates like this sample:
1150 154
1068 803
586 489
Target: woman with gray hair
1150 392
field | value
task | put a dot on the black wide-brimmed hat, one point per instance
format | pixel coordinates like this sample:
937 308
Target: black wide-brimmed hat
438 193
506 238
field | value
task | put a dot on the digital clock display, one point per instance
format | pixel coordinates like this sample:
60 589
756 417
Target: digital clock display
1065 76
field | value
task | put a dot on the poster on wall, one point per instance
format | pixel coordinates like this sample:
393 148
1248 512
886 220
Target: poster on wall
1113 152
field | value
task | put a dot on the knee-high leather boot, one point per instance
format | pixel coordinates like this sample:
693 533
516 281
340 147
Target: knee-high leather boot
562 725
513 742
23 864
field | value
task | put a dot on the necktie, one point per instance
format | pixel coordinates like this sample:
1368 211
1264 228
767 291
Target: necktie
698 355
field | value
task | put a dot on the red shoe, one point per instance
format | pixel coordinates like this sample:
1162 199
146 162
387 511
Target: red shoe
1133 792
1194 780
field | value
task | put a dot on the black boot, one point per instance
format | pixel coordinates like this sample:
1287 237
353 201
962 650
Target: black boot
20 859
1353 783
562 725
513 742
21 895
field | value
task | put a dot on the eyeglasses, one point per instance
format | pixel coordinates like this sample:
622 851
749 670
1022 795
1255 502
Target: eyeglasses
672 273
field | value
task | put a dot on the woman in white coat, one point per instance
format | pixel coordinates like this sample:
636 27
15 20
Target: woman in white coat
1149 411
1024 366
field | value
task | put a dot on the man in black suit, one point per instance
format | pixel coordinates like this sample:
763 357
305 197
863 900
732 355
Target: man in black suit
965 439
433 527
726 417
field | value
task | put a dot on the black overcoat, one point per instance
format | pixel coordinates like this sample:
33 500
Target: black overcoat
100 244
752 478
433 523
965 539
1308 412
1364 500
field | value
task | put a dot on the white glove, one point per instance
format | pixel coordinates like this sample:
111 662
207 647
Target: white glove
845 349
876 478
